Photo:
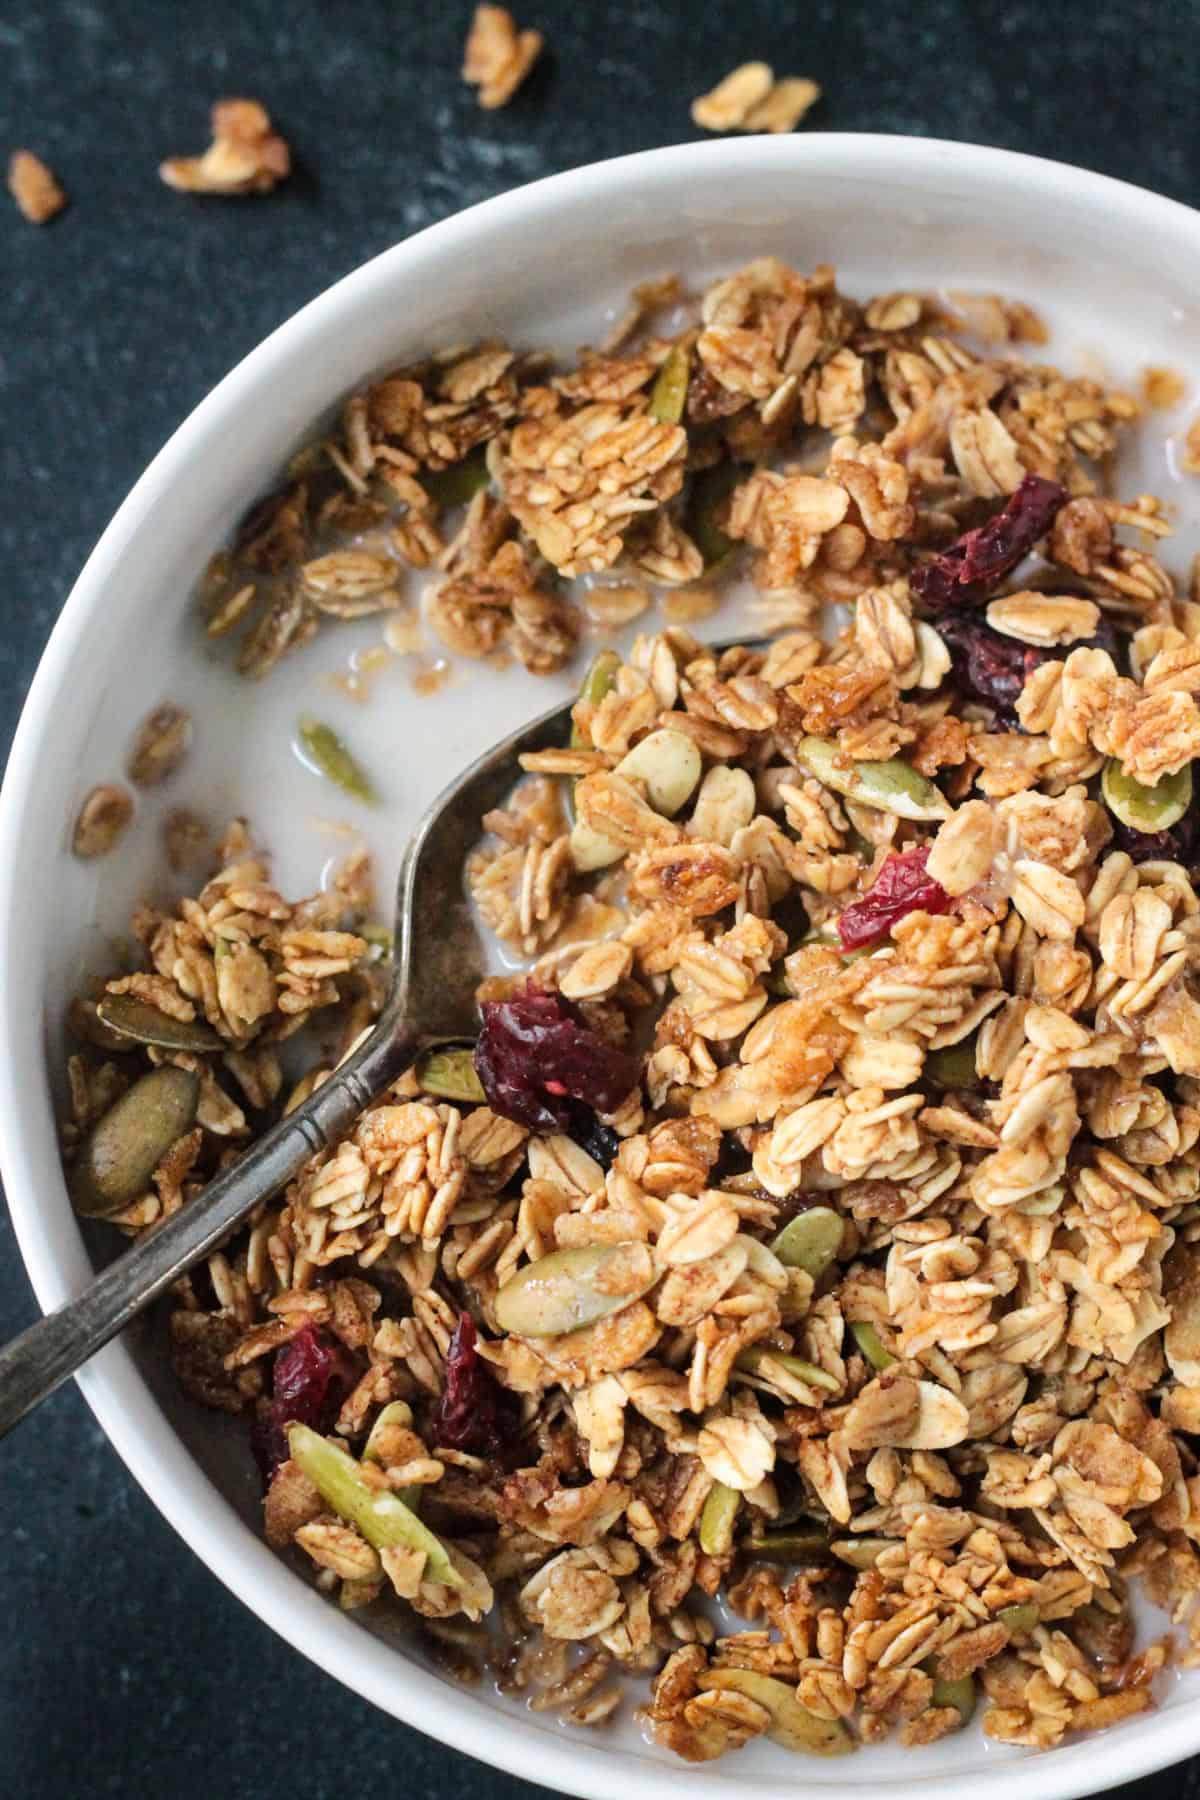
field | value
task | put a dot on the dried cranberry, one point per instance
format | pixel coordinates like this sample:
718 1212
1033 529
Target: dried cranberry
471 1413
965 574
987 665
1180 843
901 887
991 667
535 1055
600 1141
311 1377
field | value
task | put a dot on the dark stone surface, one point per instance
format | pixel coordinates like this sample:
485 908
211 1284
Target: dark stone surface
125 1668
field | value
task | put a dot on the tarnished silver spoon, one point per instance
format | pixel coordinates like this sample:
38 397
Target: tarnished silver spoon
439 962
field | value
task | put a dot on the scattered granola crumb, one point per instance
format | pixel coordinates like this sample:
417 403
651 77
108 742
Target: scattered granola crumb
750 99
1162 388
245 157
34 187
498 57
105 813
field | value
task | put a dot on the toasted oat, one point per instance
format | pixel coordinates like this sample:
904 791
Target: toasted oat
498 57
34 187
160 745
246 155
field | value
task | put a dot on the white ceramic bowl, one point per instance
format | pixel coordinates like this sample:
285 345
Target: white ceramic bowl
1115 269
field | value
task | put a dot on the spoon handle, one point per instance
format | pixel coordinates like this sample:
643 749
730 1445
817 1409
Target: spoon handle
38 1361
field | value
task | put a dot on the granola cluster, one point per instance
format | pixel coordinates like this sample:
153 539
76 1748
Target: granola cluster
872 1308
479 484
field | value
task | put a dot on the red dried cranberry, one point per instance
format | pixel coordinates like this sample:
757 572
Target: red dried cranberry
988 666
470 1414
535 1055
1179 843
311 1377
901 887
964 574
600 1141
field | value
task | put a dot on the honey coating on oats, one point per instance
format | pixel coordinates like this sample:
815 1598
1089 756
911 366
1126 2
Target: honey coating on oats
814 1228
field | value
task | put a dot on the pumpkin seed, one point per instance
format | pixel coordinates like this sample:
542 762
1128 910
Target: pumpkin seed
717 1519
893 786
788 1546
810 1241
753 1359
460 482
959 1694
871 1344
135 1019
449 1074
669 393
669 764
862 1552
382 1517
1019 1619
570 1288
591 850
600 679
1142 808
324 751
707 496
126 1145
792 1725
953 1066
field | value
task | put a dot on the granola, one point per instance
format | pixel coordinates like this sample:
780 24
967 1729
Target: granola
35 187
817 1226
246 156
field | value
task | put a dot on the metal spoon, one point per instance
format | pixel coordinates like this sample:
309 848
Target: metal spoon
439 961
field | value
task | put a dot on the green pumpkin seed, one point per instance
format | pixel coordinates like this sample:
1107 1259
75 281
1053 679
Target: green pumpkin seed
450 1075
792 1725
788 1546
571 1288
124 1148
382 1517
459 483
1019 1619
810 1241
1142 808
718 1518
669 393
707 498
953 1066
871 1344
893 786
752 1360
591 850
136 1020
669 764
862 1552
600 679
959 1694
324 751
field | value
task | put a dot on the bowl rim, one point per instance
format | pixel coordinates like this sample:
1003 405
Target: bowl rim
112 1386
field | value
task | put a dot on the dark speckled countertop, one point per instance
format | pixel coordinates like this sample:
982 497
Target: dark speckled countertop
125 1667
